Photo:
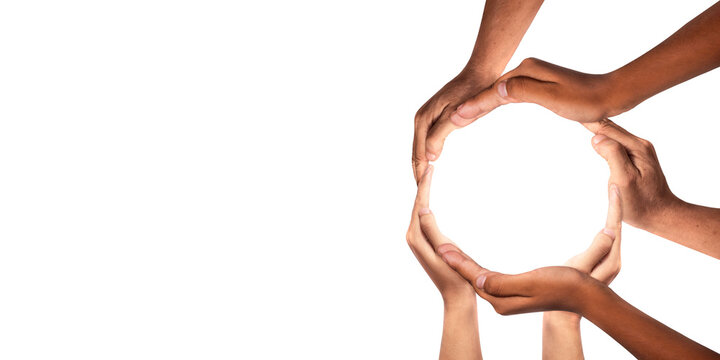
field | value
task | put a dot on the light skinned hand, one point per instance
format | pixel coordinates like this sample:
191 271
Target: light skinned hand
571 94
432 120
602 259
452 286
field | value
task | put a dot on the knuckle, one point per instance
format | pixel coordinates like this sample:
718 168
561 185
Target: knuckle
531 61
647 145
410 238
515 86
492 286
500 309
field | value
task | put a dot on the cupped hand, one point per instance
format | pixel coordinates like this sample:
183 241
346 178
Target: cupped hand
452 286
550 288
571 94
432 121
635 169
602 259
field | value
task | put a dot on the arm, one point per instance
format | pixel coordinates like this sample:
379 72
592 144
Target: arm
564 288
649 204
460 338
691 51
624 323
504 23
567 289
561 329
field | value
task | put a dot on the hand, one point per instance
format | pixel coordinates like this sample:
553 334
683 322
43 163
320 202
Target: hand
568 93
602 259
635 169
561 329
432 124
550 288
544 289
452 286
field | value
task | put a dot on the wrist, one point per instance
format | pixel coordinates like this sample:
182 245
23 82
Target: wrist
460 302
481 73
561 319
671 207
624 93
593 295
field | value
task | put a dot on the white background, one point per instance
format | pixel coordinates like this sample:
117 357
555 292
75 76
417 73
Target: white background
224 180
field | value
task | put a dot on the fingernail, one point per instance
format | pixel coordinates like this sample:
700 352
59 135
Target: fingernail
502 89
431 156
460 107
424 211
609 233
615 190
598 138
458 120
480 281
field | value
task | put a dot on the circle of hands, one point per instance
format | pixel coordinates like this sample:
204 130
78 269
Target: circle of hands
637 186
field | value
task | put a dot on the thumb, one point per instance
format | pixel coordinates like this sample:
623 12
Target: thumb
502 285
530 90
480 104
621 167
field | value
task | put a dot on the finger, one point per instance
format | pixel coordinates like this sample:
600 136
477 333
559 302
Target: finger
531 90
463 264
622 169
615 213
612 130
479 105
430 229
512 305
436 137
610 266
498 284
599 248
419 161
422 199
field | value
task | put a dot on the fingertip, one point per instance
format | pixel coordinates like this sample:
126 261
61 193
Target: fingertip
502 89
430 156
598 138
442 249
452 258
609 232
480 281
459 120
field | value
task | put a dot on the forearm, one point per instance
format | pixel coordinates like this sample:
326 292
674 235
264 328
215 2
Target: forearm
460 338
561 336
637 332
689 52
504 23
694 226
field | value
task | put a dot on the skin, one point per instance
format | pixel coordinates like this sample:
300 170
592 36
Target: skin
648 202
693 50
460 338
568 289
561 330
503 25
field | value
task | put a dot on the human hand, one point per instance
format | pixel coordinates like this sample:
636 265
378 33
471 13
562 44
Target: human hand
602 259
635 169
571 94
453 287
544 289
561 330
432 121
